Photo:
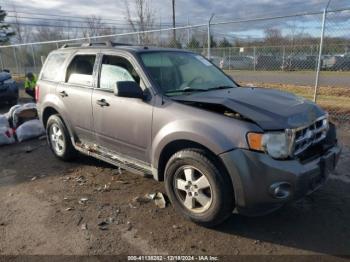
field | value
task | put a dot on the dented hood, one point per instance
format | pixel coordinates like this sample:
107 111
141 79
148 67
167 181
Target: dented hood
270 109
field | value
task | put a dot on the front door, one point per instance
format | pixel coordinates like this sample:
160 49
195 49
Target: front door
122 125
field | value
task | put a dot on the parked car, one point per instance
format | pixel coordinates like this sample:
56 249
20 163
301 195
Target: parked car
216 60
299 62
239 62
8 88
268 62
336 62
175 116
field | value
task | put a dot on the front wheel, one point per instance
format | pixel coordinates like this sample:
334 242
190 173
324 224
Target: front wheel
59 140
198 187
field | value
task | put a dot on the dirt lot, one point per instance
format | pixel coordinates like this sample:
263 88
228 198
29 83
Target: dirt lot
40 213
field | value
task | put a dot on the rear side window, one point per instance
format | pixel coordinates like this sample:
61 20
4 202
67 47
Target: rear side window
53 67
80 70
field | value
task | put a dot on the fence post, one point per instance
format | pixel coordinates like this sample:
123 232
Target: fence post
254 62
16 61
283 58
33 55
188 31
229 58
209 36
320 51
1 62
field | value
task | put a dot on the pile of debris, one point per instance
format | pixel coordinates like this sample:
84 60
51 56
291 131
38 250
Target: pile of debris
19 124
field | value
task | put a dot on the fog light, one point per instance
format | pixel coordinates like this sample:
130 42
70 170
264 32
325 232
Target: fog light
280 190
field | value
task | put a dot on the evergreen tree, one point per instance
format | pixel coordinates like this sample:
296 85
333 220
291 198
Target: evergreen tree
193 44
5 31
225 43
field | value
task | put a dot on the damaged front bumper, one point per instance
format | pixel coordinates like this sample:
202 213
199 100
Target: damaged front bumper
263 184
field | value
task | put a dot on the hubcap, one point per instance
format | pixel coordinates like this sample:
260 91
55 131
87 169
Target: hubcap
193 189
57 139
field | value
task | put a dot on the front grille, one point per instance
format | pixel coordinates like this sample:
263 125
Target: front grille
310 135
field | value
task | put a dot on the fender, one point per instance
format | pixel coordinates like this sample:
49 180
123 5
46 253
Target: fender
195 131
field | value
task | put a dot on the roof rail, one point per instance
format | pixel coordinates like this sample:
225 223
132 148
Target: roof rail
70 45
106 43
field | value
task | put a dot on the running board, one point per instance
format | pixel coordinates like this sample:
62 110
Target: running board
116 160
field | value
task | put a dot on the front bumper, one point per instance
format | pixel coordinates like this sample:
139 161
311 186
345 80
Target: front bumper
255 176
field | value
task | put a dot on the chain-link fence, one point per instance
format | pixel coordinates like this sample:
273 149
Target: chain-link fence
278 52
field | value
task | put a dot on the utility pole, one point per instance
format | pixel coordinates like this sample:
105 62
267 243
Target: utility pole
320 50
174 22
209 36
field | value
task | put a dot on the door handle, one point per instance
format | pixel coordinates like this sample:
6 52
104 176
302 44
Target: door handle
63 93
102 102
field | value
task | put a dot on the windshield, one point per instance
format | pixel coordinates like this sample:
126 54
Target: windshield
180 72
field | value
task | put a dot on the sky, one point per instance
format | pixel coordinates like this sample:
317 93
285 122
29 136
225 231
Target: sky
196 11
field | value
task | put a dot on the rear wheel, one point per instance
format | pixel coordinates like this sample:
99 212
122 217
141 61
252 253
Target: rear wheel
198 187
59 139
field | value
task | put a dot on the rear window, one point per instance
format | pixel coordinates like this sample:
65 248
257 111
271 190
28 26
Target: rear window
53 66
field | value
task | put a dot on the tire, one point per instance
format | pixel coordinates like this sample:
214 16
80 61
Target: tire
202 211
59 140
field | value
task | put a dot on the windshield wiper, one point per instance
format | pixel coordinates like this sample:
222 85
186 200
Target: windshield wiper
190 90
220 87
187 90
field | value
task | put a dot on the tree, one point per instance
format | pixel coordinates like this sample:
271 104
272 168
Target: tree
141 19
5 31
193 44
273 36
213 43
96 27
225 43
21 32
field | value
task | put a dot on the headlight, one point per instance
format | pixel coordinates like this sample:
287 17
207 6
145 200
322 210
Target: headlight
276 144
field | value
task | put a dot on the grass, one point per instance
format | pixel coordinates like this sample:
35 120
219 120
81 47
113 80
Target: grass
336 100
268 72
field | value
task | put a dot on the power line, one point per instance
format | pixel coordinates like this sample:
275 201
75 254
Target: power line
56 15
67 26
68 20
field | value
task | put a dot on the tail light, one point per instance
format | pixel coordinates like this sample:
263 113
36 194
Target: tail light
37 92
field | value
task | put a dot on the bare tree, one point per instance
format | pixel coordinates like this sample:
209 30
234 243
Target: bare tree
46 33
21 32
273 36
141 19
96 27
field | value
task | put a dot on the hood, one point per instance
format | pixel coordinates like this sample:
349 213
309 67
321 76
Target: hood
269 108
4 76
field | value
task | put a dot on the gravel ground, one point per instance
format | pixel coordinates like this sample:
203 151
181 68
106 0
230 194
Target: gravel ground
42 213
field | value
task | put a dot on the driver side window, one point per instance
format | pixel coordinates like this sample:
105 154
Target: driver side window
115 69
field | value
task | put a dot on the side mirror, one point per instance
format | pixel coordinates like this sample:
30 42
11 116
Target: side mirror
128 89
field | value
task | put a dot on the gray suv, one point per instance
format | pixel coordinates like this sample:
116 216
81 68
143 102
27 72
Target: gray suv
175 116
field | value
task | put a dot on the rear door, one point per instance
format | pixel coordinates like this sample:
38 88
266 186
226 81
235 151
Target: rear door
123 125
75 94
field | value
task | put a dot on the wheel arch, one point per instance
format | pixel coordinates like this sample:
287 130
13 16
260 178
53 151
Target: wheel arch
181 144
51 110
